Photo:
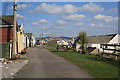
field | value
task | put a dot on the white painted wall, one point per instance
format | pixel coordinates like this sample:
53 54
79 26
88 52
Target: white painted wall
116 39
97 46
77 47
33 41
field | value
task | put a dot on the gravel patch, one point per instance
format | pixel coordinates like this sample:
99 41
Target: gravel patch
8 70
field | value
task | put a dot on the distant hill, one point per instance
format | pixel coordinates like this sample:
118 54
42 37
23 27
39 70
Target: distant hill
63 37
68 38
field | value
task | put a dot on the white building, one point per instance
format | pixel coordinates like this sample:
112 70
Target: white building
31 39
26 41
95 41
62 42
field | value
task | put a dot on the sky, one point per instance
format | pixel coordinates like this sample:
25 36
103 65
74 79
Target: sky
66 18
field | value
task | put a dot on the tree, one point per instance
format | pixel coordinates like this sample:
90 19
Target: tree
82 39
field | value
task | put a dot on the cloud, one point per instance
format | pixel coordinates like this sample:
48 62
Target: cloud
46 8
43 21
35 24
74 17
79 24
93 25
40 22
19 16
67 8
60 22
113 10
105 18
46 33
92 8
19 6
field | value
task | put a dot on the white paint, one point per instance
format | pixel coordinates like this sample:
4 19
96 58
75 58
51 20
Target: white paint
6 26
115 39
10 50
78 47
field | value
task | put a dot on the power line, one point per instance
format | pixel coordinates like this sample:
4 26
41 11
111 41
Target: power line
22 12
21 20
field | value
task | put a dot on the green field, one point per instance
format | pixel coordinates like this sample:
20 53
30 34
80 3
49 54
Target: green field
92 64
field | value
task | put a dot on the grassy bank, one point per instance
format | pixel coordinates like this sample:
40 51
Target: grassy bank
92 64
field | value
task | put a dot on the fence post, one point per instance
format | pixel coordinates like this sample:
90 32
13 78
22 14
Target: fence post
115 53
10 49
103 50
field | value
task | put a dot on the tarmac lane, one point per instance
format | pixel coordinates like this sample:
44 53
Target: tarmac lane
43 64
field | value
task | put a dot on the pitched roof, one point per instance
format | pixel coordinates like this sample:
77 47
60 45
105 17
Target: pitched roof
101 39
6 20
28 34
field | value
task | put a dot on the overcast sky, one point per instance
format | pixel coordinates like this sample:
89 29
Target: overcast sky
67 18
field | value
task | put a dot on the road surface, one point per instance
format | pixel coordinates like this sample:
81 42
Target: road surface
44 64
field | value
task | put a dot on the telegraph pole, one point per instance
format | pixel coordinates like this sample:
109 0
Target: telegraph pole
14 48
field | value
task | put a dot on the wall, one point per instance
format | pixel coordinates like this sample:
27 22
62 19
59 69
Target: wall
96 45
4 50
7 34
20 37
78 47
26 41
115 39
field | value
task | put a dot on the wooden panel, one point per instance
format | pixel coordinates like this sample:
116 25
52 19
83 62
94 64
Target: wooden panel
6 34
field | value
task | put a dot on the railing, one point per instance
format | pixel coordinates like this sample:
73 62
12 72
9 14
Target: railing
111 49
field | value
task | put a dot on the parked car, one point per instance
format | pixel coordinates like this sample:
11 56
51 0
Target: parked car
38 42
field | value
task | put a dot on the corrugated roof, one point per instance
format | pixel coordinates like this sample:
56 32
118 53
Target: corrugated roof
6 20
101 39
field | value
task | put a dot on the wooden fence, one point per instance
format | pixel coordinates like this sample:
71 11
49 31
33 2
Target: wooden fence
111 50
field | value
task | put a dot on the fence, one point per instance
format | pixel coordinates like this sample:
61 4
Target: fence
111 50
4 50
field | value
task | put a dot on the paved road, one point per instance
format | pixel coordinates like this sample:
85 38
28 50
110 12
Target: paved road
43 64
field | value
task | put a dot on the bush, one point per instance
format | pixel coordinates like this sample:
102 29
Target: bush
84 51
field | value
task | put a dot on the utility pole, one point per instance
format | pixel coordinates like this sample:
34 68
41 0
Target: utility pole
14 48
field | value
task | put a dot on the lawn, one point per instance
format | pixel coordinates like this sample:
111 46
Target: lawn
52 45
92 64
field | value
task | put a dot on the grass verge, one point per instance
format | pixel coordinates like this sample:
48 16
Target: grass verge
92 64
52 45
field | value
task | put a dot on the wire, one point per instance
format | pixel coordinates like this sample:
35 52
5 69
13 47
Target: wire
22 13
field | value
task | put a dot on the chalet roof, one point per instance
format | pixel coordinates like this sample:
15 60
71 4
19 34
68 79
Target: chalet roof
101 39
6 20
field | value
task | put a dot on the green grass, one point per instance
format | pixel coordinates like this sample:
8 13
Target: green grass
52 45
92 64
